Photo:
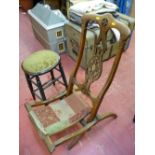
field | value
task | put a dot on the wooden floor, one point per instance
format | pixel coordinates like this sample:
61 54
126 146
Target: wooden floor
114 137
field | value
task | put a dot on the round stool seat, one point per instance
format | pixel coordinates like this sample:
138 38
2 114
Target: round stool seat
40 61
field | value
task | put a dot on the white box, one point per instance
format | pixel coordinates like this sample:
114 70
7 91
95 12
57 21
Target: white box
48 27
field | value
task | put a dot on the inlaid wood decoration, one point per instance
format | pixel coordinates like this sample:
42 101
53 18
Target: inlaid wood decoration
69 108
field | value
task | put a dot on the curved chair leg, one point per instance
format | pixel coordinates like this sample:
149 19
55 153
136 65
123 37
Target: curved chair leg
99 118
49 143
105 115
74 141
77 134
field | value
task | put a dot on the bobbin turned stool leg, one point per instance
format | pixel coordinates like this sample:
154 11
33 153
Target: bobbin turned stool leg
63 74
40 88
52 76
28 79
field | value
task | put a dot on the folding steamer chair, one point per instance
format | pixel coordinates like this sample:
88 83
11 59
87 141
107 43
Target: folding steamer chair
69 108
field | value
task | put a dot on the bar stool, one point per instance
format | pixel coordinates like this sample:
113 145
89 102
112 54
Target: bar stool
40 63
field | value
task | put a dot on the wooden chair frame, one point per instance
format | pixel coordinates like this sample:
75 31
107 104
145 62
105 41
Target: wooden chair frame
105 22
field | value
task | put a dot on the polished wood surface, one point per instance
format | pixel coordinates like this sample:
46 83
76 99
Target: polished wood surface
26 4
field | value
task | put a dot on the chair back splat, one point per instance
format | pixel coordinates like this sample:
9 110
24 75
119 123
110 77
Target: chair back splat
94 67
